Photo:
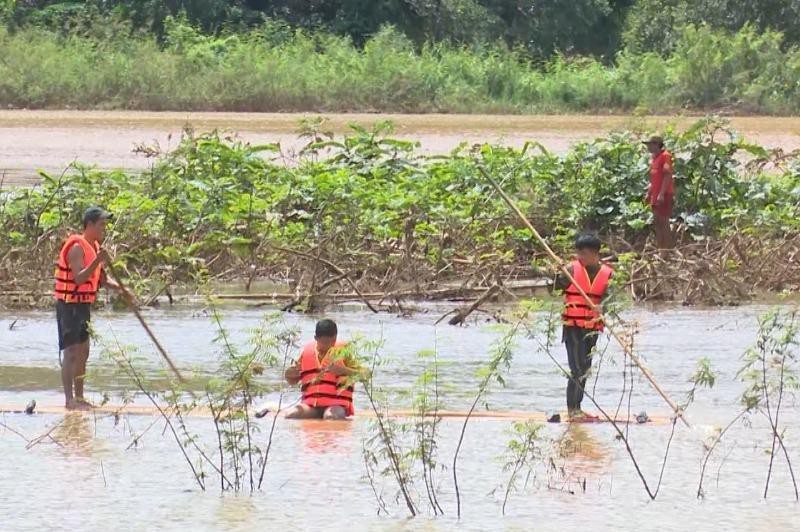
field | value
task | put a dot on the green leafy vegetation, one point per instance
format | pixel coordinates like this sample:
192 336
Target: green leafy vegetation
389 217
276 67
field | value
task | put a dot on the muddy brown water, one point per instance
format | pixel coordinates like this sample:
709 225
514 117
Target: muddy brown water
50 140
315 478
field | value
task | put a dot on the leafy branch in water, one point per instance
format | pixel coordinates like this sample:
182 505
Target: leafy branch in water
404 449
502 353
241 458
384 441
426 404
769 370
523 452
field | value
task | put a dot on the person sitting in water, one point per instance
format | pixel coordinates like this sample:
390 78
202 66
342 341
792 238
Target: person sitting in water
324 372
582 322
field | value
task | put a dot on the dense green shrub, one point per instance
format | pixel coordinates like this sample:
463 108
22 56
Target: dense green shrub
273 68
214 197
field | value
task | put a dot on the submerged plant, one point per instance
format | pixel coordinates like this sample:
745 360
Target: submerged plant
426 404
383 448
770 373
502 353
365 213
405 449
523 453
241 452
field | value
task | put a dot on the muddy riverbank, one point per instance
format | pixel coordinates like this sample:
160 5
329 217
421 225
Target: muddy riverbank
50 140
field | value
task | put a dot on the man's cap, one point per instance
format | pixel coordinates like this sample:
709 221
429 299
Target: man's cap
93 214
655 139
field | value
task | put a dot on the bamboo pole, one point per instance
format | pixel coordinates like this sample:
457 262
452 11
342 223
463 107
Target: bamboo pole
132 305
626 347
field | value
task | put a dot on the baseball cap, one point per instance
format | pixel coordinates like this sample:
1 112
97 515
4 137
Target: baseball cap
655 139
93 214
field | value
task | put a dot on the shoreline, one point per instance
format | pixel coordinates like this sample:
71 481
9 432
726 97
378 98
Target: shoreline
421 122
107 139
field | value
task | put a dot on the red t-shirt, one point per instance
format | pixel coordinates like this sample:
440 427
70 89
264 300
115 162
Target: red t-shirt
659 163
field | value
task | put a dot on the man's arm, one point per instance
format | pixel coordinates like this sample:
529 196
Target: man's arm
561 281
75 260
292 374
350 368
108 282
344 371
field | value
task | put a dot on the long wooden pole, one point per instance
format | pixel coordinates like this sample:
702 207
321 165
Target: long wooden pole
626 347
132 305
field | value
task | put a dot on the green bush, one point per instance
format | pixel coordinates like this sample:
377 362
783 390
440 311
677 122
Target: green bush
274 69
213 197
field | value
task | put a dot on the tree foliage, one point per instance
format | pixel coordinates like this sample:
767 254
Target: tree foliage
655 25
540 27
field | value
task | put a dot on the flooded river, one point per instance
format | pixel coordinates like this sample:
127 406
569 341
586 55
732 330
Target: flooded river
315 477
50 140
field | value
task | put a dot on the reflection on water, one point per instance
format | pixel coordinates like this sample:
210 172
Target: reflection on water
238 510
326 437
75 435
582 452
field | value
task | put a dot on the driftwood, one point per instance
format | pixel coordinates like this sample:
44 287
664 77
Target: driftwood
334 268
716 272
463 313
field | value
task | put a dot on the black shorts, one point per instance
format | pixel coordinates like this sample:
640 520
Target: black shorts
73 323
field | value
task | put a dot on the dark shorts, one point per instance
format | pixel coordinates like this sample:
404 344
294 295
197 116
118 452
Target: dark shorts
73 323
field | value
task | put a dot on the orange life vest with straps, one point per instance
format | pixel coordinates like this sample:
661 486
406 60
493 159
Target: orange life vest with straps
323 389
577 312
66 290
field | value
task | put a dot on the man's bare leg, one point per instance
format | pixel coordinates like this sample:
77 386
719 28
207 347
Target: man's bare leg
302 411
68 365
335 413
663 232
80 371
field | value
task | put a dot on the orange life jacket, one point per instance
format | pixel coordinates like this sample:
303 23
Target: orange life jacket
577 312
323 389
66 290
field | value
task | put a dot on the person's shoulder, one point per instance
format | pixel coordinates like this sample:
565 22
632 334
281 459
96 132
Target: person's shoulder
310 346
75 249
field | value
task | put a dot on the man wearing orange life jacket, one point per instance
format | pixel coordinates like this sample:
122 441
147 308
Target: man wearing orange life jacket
582 323
78 276
325 373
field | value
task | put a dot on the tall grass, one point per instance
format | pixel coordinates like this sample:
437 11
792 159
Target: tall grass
271 70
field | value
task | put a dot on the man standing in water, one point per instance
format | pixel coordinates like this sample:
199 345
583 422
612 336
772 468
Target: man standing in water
661 193
325 373
78 276
582 322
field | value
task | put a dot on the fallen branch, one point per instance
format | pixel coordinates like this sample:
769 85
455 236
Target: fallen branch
463 313
333 267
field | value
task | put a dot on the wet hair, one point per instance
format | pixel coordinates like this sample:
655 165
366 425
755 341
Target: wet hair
588 241
326 329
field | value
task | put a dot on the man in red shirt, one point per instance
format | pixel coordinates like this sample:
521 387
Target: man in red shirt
661 193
